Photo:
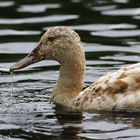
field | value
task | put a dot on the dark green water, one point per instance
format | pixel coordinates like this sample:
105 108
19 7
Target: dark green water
110 32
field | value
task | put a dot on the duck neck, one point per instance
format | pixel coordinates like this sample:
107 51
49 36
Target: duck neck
70 81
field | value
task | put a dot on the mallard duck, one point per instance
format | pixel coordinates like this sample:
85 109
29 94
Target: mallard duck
118 90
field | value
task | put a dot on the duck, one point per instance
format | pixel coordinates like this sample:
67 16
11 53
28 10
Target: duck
118 90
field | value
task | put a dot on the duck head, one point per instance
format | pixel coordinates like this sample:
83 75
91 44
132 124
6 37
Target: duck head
58 43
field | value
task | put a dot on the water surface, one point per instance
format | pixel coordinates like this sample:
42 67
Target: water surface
110 32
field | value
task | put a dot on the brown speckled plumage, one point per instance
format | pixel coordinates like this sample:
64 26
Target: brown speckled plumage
118 90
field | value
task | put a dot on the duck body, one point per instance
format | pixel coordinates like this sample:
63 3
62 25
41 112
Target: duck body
115 91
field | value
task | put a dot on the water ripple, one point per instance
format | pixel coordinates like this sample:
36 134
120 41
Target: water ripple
116 34
17 47
37 8
6 3
101 27
8 32
122 12
32 20
104 8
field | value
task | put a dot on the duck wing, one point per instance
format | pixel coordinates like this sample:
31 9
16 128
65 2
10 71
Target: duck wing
118 90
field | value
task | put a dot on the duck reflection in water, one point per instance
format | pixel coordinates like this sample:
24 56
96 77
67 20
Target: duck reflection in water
71 121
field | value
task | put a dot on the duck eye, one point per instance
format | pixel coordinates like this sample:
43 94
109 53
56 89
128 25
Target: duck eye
51 38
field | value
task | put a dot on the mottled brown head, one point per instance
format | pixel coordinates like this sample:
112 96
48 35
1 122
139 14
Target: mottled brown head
59 43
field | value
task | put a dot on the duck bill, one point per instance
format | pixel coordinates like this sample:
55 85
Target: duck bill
33 57
23 63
